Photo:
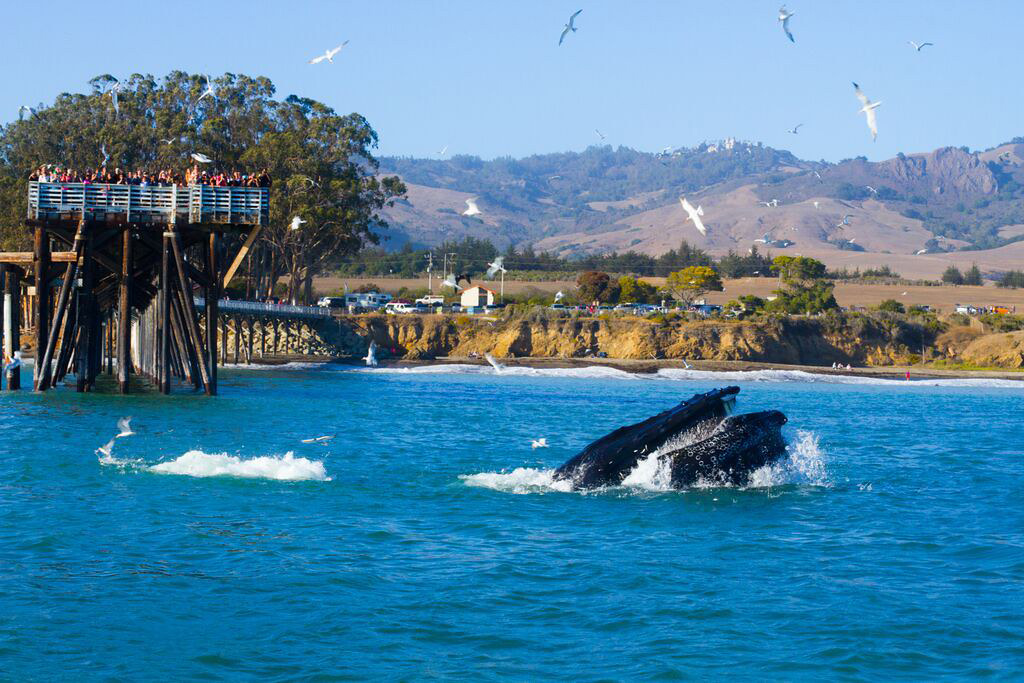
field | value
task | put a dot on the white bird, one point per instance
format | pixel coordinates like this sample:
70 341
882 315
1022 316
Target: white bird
539 443
209 90
114 89
920 251
772 204
106 157
472 209
107 449
870 189
559 296
571 26
919 47
202 158
845 221
125 425
13 363
498 367
495 267
443 150
371 355
318 439
868 109
22 109
694 215
686 366
816 203
296 223
599 133
328 54
818 176
450 282
167 141
795 129
903 294
784 18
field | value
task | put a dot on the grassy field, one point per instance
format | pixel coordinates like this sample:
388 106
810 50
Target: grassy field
847 294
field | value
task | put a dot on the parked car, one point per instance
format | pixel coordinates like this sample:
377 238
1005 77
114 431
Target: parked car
331 302
399 307
558 307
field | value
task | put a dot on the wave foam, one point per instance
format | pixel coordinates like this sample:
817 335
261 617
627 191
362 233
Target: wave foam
283 468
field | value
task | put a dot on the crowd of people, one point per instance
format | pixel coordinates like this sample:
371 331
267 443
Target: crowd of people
49 173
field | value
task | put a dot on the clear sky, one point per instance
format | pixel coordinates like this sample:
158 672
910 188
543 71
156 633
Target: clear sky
488 77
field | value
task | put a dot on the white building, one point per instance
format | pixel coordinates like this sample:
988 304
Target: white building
477 297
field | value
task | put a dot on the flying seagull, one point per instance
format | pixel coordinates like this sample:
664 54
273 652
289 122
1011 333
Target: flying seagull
694 215
559 296
493 268
599 133
472 209
296 223
328 54
845 221
795 129
107 449
498 367
571 26
868 109
114 89
818 176
774 204
443 150
816 203
920 251
539 443
106 157
371 355
125 425
167 141
450 281
209 90
784 18
202 158
22 109
870 189
919 47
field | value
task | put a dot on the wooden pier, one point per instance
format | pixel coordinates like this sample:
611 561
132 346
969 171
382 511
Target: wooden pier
113 278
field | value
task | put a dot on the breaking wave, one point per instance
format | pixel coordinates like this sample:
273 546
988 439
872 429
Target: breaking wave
679 374
804 465
281 468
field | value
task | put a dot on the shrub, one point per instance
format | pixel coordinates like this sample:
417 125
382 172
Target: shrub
891 306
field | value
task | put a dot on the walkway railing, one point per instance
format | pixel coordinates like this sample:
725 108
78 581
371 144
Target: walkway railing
149 203
269 310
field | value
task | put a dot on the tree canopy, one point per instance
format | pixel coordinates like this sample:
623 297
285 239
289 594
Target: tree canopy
690 283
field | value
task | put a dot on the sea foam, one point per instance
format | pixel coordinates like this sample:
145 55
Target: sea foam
281 468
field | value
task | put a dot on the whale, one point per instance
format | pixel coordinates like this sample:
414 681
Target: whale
698 440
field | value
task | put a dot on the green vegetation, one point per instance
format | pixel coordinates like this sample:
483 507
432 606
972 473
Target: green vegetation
1012 279
892 306
953 276
690 283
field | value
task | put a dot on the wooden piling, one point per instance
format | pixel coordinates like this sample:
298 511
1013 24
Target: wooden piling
124 318
41 267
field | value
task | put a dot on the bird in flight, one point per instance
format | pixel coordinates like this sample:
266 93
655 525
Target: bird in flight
571 26
559 296
870 189
167 141
694 215
542 442
202 158
296 223
328 54
114 89
443 151
371 355
868 109
816 203
106 157
773 204
796 129
495 267
919 47
318 439
818 176
209 90
920 251
125 425
599 133
784 17
22 109
845 221
452 282
471 208
498 367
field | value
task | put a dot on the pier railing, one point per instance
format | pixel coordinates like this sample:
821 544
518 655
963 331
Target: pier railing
255 308
148 203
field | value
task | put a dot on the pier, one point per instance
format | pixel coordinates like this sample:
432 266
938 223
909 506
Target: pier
112 281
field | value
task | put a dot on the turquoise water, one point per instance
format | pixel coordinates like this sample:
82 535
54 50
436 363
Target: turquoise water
427 540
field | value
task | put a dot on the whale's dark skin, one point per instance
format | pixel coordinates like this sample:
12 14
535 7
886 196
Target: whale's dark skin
608 461
737 447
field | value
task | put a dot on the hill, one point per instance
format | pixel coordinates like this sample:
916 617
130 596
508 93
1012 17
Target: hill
915 212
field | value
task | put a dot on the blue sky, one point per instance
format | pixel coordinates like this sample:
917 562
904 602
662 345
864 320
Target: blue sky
489 78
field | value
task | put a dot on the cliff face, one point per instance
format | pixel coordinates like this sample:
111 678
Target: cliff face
860 341
946 171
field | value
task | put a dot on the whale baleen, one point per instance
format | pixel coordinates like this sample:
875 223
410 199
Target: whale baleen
723 449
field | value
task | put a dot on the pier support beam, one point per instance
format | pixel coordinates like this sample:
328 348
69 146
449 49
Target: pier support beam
124 314
164 315
10 280
41 268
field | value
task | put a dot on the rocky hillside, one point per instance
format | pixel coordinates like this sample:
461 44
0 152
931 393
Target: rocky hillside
916 211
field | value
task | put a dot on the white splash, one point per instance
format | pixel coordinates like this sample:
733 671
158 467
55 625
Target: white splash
804 465
520 481
283 468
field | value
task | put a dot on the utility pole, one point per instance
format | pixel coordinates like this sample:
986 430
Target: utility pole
430 266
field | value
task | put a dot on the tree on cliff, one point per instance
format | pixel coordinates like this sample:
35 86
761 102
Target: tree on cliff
688 284
806 289
596 286
798 270
635 291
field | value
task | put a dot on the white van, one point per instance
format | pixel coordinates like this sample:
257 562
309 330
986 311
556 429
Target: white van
395 307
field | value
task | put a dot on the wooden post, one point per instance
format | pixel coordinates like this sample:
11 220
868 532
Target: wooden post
188 313
87 318
164 362
124 310
236 323
248 343
45 359
212 297
274 350
41 268
263 337
11 322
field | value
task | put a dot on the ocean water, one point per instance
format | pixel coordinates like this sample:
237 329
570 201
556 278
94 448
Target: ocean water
427 539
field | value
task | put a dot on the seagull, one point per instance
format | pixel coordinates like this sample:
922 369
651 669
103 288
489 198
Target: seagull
22 109
209 90
772 204
845 221
795 129
443 150
497 265
473 209
328 54
868 109
450 281
571 26
554 177
125 425
903 294
816 204
870 189
599 133
296 222
318 439
784 17
106 157
167 141
694 215
686 366
919 47
539 443
920 251
202 158
559 296
371 355
498 367
114 89
13 363
818 176
107 449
